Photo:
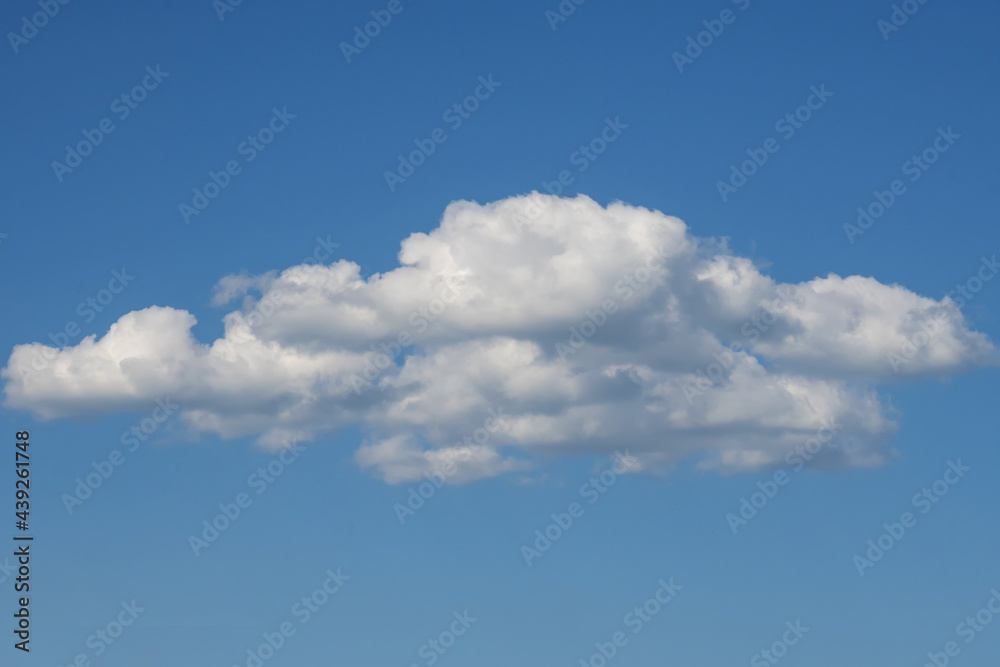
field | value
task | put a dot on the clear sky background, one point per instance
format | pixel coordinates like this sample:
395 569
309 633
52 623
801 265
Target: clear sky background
323 177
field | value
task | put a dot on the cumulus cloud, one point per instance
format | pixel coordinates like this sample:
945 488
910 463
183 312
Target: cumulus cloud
590 329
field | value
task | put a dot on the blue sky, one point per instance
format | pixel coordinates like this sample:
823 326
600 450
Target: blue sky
320 186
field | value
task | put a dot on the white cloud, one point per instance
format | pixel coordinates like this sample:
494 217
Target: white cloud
587 325
399 459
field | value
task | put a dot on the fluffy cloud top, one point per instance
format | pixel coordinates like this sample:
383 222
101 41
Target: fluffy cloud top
523 330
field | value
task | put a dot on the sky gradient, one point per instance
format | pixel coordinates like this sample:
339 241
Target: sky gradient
298 133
